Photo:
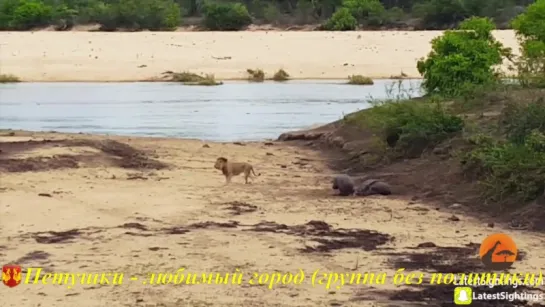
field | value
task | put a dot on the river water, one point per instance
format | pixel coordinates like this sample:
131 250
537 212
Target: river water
234 111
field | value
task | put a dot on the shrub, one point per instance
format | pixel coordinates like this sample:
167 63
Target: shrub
137 15
512 170
28 14
360 80
208 80
463 60
530 29
368 12
342 20
226 16
256 75
281 75
509 171
519 120
185 77
411 127
8 78
189 78
436 14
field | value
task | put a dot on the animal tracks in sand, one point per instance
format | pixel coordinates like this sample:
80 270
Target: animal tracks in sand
286 220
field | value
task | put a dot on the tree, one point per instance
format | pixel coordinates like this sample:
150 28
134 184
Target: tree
226 16
462 60
530 30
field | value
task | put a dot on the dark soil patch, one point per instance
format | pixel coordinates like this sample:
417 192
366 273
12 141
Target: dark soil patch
209 224
113 152
237 207
36 164
449 259
53 237
33 256
328 237
134 226
431 258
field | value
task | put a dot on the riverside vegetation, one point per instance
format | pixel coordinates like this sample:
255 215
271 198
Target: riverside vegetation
335 15
494 129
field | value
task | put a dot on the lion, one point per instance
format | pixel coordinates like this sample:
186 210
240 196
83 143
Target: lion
230 169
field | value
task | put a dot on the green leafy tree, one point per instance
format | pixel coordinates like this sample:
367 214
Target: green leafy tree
226 16
342 20
26 14
462 60
530 29
368 12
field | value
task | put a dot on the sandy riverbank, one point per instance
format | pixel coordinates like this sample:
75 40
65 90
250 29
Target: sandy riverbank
137 221
92 56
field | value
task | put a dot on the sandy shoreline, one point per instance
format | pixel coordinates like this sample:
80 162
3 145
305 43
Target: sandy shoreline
46 56
143 221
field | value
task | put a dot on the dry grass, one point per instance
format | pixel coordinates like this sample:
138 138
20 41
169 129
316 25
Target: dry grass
360 80
281 75
189 78
256 75
8 78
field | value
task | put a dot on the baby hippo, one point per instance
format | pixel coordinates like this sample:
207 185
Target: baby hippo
344 184
373 187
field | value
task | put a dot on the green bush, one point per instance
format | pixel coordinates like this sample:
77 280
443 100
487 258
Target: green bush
530 29
437 14
367 12
519 120
512 170
342 20
509 171
410 127
226 16
24 14
462 60
139 15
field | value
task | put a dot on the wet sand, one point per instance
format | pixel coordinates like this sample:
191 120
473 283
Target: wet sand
139 221
92 56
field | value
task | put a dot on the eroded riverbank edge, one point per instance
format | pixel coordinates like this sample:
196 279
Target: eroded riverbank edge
434 178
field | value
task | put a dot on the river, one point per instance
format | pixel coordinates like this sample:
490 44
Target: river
234 111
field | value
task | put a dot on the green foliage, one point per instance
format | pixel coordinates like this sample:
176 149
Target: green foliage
530 29
437 13
410 127
24 14
519 120
111 15
342 20
218 15
462 60
512 170
226 16
367 12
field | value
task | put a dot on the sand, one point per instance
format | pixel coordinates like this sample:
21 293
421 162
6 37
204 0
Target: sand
92 56
138 222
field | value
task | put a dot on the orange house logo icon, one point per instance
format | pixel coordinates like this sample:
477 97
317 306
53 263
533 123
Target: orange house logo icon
498 252
11 275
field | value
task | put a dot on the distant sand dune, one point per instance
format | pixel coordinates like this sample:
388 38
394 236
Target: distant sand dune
92 56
